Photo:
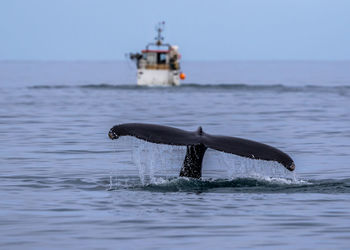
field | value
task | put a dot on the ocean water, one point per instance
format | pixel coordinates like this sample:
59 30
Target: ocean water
64 184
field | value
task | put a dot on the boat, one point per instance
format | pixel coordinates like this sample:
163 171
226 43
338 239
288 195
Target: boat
159 63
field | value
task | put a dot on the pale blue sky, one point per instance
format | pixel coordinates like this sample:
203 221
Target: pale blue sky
204 30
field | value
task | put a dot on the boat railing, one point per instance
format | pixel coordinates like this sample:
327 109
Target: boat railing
157 66
157 46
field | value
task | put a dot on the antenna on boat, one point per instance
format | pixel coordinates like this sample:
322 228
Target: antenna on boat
159 29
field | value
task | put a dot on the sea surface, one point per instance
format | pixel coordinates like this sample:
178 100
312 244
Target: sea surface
65 185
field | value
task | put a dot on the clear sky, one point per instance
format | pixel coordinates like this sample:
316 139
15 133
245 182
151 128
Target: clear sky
204 30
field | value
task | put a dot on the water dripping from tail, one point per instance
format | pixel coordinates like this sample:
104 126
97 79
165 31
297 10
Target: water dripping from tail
158 164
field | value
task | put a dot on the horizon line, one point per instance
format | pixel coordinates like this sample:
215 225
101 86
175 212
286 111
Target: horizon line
184 61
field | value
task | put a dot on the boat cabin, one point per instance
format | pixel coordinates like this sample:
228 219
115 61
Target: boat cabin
158 59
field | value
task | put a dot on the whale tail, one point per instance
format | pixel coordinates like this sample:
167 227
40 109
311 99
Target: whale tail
197 143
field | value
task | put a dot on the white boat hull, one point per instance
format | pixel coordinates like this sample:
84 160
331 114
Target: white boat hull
158 77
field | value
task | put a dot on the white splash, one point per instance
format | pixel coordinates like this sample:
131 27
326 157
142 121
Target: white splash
158 162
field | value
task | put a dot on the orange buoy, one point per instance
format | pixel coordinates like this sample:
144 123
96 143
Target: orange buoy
182 76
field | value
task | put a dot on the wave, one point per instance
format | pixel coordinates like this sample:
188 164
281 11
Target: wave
236 185
181 184
196 86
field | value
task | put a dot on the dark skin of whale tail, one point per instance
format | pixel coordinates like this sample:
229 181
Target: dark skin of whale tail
197 143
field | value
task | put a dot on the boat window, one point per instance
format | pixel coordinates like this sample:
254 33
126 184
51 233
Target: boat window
161 58
151 58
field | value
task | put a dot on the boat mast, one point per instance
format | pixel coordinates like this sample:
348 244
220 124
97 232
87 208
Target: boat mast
159 29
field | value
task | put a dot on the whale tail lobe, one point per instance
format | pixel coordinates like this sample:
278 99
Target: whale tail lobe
197 143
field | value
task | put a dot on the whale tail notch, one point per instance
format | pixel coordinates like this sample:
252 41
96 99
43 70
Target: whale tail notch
197 143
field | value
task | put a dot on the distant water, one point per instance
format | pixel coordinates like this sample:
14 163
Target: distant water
64 184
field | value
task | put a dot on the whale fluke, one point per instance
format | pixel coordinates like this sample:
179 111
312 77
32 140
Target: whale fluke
197 142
